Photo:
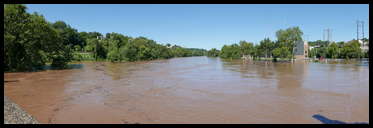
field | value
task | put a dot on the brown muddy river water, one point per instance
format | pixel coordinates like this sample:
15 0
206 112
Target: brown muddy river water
194 90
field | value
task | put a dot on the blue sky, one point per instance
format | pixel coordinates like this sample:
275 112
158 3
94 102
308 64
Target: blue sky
210 25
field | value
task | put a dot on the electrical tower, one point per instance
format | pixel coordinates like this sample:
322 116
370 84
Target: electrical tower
358 25
327 36
362 28
330 35
357 30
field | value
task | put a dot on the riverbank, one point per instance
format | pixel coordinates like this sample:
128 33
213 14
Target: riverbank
13 114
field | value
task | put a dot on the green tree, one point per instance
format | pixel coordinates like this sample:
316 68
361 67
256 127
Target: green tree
196 52
61 57
281 52
257 52
311 53
266 46
333 51
129 52
114 54
213 52
246 48
97 47
322 52
231 51
318 43
69 35
287 38
29 40
352 50
178 51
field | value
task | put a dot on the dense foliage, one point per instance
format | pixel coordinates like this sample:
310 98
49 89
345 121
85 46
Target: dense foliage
231 51
343 50
318 43
213 52
284 47
30 42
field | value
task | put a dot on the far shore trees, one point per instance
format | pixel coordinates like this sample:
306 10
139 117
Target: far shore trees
30 42
213 52
339 50
283 48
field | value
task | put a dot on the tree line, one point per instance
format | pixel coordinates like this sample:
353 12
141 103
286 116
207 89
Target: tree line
338 50
283 48
30 42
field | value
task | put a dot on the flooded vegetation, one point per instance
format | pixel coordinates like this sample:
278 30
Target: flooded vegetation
194 90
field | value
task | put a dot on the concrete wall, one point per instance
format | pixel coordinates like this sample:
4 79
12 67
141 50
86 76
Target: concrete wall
301 49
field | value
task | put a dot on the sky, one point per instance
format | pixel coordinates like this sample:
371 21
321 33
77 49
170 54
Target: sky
210 25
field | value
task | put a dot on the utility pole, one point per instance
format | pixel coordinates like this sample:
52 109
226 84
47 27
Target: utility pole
360 24
362 28
330 35
327 36
357 30
323 35
328 32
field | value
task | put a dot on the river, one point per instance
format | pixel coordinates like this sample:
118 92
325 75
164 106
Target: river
193 90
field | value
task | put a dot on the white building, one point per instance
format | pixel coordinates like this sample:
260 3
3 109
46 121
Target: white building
312 47
364 45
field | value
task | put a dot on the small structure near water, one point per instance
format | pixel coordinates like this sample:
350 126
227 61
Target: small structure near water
300 50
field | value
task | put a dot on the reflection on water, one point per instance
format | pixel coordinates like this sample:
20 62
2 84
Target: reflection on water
194 90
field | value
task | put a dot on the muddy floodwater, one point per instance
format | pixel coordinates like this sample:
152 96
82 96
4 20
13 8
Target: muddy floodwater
194 90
